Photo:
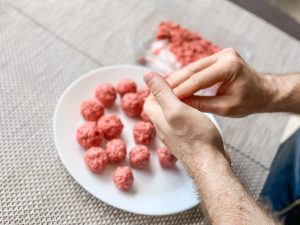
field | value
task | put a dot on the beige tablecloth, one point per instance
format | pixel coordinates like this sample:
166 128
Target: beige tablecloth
45 45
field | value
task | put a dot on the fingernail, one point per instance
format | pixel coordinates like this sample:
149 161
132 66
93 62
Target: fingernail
149 76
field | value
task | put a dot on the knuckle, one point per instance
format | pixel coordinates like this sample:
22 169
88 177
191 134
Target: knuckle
192 68
232 58
195 81
230 51
232 63
174 115
156 90
201 106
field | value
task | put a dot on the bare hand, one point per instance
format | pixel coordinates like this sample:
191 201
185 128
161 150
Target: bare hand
185 131
243 91
194 140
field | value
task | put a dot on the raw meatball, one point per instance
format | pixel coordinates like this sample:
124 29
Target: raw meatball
92 110
111 126
144 117
143 132
125 86
88 135
123 178
132 104
139 156
166 159
106 94
96 159
144 92
116 151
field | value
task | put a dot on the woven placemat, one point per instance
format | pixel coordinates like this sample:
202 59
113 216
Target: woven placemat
37 64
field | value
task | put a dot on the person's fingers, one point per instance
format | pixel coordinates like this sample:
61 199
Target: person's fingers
212 104
183 74
161 90
201 80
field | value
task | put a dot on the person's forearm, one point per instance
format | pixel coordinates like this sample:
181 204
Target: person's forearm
225 199
284 93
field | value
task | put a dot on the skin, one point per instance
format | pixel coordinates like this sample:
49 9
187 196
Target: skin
243 91
197 143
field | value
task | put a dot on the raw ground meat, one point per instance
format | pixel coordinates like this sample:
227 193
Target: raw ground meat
144 117
96 159
166 158
106 94
144 92
91 110
132 104
143 132
123 178
98 125
139 156
116 151
110 125
187 46
88 135
125 86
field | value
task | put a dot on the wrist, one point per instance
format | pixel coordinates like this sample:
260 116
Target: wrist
278 89
272 86
206 159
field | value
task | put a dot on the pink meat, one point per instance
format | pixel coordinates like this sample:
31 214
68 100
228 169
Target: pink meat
139 156
116 151
132 104
187 46
123 178
110 125
143 132
125 86
144 92
166 158
92 110
106 94
88 135
96 159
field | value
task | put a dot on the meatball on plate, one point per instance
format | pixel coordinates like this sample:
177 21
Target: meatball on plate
96 159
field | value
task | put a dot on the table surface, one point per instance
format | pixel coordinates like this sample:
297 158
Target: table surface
45 45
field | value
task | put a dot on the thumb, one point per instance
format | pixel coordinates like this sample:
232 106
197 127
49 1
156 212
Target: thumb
161 90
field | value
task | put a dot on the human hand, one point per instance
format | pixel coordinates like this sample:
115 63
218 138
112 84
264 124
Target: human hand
196 142
188 133
243 91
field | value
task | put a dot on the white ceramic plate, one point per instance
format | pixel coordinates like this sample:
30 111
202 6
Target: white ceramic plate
156 191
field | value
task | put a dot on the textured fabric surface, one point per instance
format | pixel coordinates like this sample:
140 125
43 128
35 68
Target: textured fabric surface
44 46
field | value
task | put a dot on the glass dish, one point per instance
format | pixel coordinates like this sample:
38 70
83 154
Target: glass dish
200 20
